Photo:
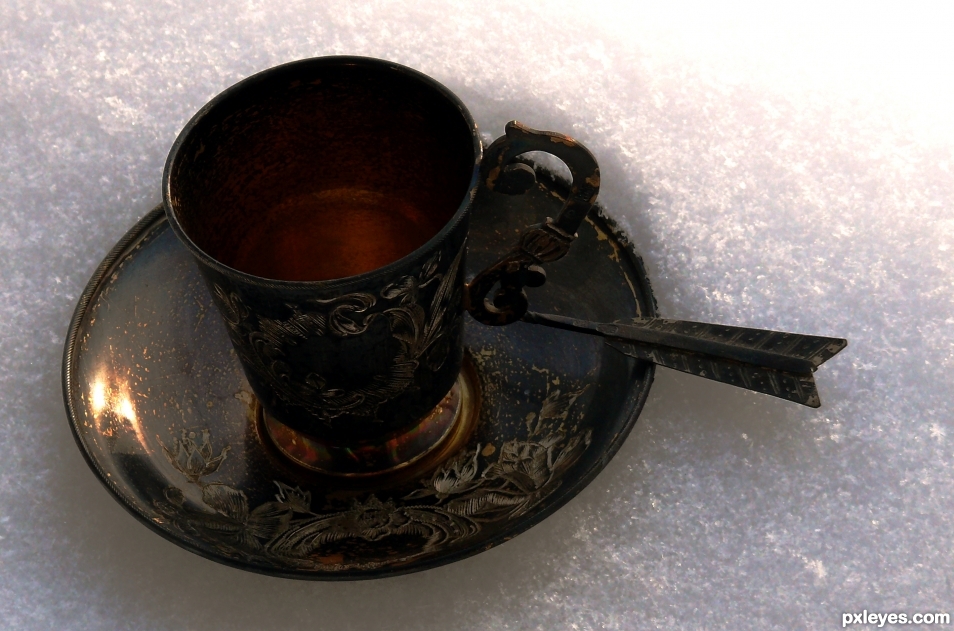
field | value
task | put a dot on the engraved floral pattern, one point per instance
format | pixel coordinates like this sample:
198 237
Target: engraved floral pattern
457 477
424 336
467 495
193 460
525 473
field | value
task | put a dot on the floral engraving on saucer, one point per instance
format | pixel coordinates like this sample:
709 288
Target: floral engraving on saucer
468 494
424 337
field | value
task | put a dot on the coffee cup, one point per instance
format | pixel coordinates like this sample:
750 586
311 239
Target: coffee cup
326 202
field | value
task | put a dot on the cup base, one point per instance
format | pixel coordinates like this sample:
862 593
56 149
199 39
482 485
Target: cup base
448 425
554 407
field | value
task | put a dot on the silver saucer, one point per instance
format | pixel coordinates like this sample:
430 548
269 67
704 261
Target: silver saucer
163 414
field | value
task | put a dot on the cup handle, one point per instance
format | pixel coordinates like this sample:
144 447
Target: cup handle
541 243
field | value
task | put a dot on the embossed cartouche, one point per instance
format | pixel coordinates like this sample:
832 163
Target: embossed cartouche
335 234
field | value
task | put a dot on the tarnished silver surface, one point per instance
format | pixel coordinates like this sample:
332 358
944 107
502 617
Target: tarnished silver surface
771 362
161 410
423 334
442 431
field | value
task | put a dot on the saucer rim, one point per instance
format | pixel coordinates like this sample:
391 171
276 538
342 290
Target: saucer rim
151 224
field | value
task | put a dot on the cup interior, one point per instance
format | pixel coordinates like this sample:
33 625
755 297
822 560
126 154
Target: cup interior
323 169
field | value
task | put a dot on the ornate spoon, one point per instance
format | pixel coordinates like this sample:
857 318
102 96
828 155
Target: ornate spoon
771 362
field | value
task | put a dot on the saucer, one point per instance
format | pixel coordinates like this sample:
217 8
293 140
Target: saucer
165 418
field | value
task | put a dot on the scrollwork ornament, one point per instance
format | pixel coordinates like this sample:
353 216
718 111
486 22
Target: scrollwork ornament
423 336
455 504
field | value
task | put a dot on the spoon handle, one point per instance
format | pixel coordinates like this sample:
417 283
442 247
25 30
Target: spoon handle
771 362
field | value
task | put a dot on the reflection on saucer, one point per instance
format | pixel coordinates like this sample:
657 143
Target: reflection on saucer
161 410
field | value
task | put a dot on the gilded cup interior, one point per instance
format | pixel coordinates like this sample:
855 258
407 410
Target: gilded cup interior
322 169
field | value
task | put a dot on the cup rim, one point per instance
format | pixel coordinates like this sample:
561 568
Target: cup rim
332 60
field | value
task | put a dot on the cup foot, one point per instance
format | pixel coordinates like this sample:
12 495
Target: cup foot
448 425
554 407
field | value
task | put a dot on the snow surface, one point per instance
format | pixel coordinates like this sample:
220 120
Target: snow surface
787 168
